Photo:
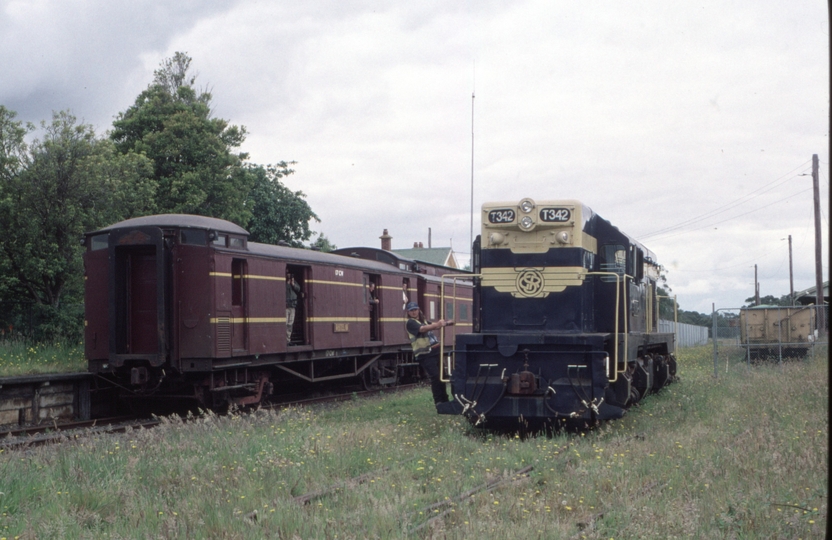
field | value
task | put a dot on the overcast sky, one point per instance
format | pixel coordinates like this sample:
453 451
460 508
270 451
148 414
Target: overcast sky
689 125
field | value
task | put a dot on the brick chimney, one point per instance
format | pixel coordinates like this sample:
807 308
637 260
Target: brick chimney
386 241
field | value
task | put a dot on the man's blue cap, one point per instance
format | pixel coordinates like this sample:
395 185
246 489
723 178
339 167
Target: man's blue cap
411 305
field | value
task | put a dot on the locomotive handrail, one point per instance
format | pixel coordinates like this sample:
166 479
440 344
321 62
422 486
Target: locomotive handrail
451 357
619 279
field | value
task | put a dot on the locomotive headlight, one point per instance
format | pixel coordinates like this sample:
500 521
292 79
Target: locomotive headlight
526 222
563 237
496 238
526 205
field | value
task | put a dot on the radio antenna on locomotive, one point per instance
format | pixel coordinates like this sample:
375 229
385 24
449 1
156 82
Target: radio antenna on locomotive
471 233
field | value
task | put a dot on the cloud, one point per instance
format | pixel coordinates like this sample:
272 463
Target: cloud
652 113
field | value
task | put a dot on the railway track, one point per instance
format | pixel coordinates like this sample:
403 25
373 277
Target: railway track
21 438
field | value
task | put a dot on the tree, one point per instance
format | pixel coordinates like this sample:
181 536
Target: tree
12 144
322 243
13 151
667 304
278 214
194 165
51 193
769 300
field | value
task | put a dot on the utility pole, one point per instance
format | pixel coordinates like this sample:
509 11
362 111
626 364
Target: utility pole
791 274
818 251
756 288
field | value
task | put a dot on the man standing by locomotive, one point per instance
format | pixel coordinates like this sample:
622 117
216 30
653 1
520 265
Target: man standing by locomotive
426 348
292 292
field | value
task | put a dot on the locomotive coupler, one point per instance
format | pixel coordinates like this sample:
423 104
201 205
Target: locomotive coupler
523 382
138 376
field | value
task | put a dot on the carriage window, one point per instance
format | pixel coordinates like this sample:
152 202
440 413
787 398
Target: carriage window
196 238
99 241
220 240
463 312
449 310
236 242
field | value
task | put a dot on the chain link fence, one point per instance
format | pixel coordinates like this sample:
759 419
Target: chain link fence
767 334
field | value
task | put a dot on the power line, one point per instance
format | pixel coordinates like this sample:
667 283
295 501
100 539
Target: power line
730 205
670 229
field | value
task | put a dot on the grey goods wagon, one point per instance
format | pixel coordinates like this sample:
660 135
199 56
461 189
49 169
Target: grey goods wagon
776 331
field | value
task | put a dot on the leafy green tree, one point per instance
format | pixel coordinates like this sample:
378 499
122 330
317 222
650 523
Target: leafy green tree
322 243
194 165
51 193
278 214
694 317
769 300
667 304
13 156
12 144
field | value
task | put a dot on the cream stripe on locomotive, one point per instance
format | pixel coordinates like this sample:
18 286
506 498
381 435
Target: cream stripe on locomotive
533 282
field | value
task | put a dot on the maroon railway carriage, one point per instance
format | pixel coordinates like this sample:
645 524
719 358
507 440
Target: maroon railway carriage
184 306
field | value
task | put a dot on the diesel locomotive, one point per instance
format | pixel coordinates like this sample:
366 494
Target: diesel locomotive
566 320
185 307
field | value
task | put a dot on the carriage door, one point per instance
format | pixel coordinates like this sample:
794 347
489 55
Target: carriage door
239 326
137 288
140 330
372 298
298 333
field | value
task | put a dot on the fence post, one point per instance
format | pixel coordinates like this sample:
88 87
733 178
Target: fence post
716 349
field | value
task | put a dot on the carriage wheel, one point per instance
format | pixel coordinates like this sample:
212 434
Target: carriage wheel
380 375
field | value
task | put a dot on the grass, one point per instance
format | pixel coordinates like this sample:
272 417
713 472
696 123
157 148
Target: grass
741 456
18 357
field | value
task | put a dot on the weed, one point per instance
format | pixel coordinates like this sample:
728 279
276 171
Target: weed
739 456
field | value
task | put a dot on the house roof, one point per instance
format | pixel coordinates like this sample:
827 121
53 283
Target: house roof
442 256
807 296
